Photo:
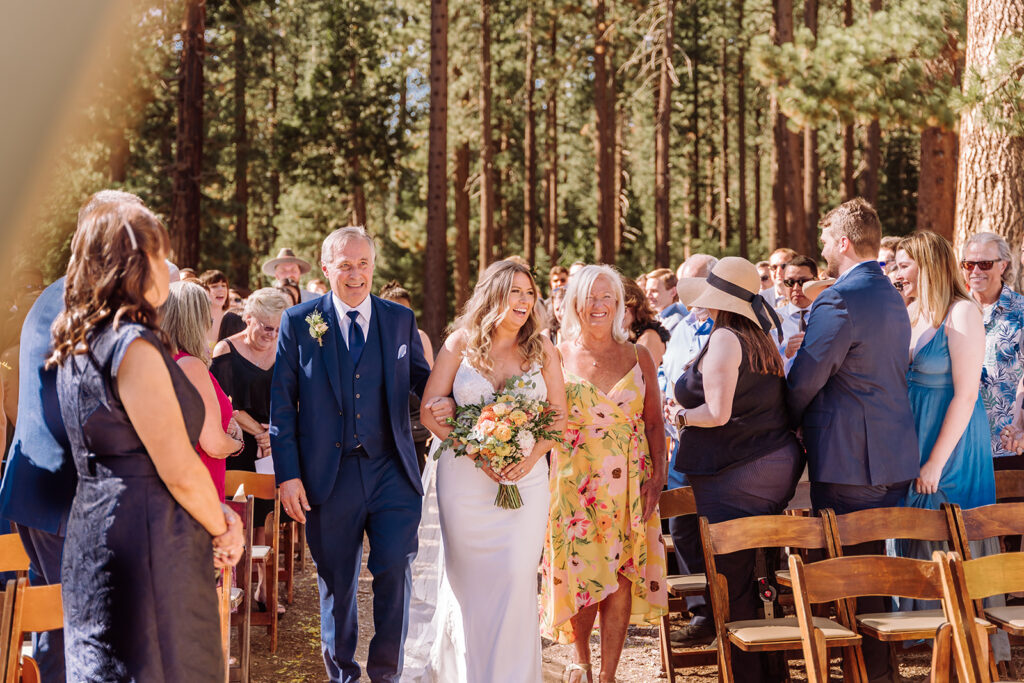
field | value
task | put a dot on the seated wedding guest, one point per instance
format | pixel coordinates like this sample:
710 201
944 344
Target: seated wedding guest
290 289
660 288
776 294
987 266
735 445
604 550
185 319
287 266
317 286
794 315
132 417
641 323
420 435
225 323
243 364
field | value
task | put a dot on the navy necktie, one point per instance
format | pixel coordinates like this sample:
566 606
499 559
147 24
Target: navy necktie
803 321
356 340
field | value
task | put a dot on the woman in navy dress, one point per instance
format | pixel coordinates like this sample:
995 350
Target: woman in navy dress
146 527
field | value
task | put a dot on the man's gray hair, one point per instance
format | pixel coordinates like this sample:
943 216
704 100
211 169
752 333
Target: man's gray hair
698 265
342 236
982 238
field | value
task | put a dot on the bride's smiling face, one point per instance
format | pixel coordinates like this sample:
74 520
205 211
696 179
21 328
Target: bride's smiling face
521 299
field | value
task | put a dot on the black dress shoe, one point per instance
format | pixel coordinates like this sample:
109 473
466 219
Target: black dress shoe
702 630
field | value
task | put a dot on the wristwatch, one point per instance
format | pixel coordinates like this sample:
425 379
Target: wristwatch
681 419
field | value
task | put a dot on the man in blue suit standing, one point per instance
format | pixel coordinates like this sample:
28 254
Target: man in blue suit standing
343 450
848 388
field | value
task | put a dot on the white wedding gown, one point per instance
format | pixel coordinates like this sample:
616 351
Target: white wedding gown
473 617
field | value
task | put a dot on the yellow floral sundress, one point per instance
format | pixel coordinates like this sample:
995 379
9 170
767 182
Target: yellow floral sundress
595 531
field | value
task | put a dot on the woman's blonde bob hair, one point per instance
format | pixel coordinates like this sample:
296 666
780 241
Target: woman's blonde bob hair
485 310
940 283
185 319
575 301
267 302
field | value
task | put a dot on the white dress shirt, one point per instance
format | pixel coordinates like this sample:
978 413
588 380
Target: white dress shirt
365 309
790 316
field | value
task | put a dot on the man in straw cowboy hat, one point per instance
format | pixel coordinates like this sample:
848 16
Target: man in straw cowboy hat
286 265
848 388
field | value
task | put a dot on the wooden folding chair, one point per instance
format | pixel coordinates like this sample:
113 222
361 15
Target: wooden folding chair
264 487
965 583
676 503
843 579
1009 484
6 616
36 609
13 557
762 635
241 595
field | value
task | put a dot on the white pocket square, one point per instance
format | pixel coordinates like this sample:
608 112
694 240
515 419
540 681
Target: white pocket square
402 350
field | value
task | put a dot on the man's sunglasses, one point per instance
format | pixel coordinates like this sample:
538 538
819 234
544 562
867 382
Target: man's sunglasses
790 282
980 265
765 278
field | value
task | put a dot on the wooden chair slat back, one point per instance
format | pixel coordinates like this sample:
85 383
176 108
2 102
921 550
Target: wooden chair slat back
262 486
864 575
1001 519
970 647
882 523
677 502
767 531
42 608
1009 484
13 557
994 575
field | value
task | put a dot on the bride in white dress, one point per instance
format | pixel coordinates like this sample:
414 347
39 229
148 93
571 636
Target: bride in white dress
474 613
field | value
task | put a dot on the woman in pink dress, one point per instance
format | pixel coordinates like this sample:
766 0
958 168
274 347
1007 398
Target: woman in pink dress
186 319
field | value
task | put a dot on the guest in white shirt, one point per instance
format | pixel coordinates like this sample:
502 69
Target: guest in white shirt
660 288
795 314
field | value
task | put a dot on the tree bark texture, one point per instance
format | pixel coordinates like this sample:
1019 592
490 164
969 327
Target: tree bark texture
501 181
741 138
530 146
990 185
812 167
723 157
936 185
873 147
757 178
787 187
695 18
486 246
188 166
462 286
604 140
847 187
435 271
551 147
241 254
662 142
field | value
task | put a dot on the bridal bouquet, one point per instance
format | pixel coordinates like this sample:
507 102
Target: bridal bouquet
502 433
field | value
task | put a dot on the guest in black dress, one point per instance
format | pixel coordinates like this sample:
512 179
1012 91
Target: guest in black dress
735 445
225 323
138 591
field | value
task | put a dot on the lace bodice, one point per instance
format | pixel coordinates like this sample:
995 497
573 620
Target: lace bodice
471 386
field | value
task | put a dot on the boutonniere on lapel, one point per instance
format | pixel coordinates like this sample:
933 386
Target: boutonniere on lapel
317 327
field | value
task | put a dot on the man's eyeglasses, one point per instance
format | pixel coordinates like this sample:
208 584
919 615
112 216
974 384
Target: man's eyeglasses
980 265
765 278
789 282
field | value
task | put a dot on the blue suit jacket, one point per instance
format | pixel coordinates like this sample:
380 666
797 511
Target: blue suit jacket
305 394
39 482
848 384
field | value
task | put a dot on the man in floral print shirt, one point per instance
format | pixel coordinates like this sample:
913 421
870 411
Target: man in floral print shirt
987 267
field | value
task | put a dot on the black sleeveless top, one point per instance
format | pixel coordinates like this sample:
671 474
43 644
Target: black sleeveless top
759 423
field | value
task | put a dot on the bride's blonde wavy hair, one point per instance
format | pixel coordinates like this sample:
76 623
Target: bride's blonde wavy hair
485 310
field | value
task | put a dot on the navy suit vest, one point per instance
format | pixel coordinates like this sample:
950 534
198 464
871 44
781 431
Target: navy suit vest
364 402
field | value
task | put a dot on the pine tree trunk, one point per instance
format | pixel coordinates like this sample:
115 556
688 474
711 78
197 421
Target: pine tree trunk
604 140
462 286
486 142
695 37
119 153
501 178
275 174
757 176
551 148
723 160
435 271
873 147
241 255
848 186
741 136
990 185
936 183
662 142
812 168
188 166
792 230
530 146
618 220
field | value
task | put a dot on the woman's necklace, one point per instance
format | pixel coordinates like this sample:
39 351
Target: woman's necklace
593 362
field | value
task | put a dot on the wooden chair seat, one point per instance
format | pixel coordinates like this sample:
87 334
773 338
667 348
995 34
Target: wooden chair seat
683 585
1009 619
899 626
784 577
260 552
784 634
670 545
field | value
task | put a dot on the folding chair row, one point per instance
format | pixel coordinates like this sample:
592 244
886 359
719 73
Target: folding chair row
27 609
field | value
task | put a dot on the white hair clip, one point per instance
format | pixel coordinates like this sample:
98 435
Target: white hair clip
131 234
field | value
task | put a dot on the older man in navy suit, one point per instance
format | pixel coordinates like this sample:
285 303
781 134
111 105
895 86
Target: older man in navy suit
848 387
343 450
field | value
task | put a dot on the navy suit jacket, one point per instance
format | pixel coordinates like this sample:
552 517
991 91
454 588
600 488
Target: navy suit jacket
39 482
305 394
848 384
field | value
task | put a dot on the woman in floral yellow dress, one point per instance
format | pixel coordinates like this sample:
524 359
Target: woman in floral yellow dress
604 552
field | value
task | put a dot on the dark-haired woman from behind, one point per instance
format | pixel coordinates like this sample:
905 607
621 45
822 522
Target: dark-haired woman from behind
146 527
735 446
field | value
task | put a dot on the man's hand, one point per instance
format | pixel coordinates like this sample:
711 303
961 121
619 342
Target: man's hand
263 439
794 344
293 499
442 408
